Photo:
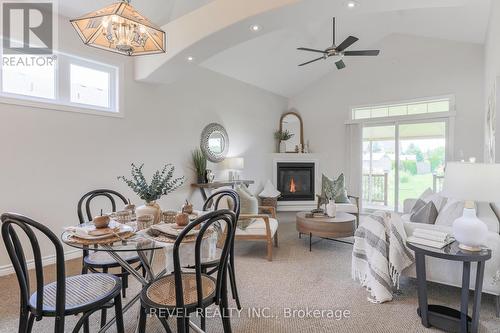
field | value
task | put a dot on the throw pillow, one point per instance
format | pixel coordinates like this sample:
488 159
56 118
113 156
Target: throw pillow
450 212
438 199
428 192
248 205
334 189
418 204
426 214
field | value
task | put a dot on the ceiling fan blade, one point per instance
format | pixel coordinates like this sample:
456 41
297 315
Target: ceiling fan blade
362 53
340 64
311 50
333 31
312 61
346 43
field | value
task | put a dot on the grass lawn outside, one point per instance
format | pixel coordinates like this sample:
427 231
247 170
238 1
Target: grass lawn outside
410 187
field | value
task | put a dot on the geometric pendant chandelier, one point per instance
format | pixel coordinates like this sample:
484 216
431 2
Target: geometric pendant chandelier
120 28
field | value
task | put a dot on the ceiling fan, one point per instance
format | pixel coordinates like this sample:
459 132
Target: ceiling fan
339 51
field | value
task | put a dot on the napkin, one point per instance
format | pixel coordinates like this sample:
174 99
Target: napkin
79 231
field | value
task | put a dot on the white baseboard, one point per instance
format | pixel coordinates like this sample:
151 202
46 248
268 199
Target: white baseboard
48 260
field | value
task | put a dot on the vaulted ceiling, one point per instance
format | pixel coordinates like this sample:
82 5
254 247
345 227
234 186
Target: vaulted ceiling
217 34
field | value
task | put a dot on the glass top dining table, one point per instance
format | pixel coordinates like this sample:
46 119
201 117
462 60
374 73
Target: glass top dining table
145 246
140 241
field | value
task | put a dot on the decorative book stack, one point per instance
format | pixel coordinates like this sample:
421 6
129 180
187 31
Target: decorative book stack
431 238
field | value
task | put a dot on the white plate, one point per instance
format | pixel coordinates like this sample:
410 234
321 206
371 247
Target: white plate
82 232
167 229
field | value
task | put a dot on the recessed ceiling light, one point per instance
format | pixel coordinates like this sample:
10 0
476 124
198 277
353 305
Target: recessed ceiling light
190 58
255 27
351 4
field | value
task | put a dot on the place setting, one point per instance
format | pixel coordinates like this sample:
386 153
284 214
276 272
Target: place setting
102 229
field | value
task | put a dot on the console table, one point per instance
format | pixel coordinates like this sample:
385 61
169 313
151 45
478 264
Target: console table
204 187
442 317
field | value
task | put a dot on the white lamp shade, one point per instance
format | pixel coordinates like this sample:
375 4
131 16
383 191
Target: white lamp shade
234 163
472 181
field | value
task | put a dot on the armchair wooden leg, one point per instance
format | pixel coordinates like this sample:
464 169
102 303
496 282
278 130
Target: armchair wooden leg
276 239
269 250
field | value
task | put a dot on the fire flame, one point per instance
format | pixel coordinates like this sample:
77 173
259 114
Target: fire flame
292 186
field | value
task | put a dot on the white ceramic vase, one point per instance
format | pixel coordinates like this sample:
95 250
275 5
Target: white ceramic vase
331 209
282 147
149 208
469 231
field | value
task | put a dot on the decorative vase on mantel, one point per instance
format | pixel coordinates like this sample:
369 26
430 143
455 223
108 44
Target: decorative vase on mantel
282 147
150 208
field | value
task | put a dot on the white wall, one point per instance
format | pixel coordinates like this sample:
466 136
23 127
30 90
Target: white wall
492 66
49 158
408 68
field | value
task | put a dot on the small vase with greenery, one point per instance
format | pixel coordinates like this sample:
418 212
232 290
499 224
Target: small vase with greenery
200 165
162 183
282 137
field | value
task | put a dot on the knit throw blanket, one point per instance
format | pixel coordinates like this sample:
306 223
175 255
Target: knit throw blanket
380 255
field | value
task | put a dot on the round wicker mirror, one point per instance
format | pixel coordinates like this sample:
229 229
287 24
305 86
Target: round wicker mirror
214 142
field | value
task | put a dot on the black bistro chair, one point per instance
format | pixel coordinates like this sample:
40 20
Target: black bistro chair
182 293
210 267
66 296
100 261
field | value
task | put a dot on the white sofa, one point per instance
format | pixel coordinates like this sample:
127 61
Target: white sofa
450 272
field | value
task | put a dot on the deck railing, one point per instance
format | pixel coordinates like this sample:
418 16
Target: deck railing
375 187
437 183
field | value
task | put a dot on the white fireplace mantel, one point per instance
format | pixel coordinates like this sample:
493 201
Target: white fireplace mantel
293 157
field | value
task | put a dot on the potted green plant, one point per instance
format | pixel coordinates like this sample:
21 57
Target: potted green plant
282 137
162 183
200 165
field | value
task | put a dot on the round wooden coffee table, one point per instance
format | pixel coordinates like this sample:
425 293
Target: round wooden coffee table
342 225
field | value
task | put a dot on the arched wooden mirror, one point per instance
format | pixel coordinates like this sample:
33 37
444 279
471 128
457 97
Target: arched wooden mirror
292 122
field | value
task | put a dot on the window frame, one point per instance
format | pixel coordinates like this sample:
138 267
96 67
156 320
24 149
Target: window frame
426 115
62 100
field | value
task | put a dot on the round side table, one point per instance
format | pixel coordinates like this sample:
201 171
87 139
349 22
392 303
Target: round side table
442 317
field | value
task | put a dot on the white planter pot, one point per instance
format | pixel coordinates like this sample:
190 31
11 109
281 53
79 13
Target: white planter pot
150 208
282 147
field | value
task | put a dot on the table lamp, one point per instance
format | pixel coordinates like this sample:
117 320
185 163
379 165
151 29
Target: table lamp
471 182
234 164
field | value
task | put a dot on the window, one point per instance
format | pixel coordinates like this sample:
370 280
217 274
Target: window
402 109
35 81
89 86
69 83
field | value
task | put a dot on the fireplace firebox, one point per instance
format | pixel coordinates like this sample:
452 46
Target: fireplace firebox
295 181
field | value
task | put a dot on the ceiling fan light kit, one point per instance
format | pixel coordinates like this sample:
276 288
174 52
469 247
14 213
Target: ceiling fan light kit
122 29
338 52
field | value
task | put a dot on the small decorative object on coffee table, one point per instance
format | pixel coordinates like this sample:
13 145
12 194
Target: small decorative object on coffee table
342 225
445 318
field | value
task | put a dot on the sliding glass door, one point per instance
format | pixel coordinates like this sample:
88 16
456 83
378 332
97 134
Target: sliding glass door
379 166
401 160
